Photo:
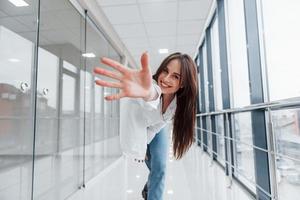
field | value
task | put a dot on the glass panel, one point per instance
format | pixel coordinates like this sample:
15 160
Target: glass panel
216 65
69 67
68 94
69 118
217 89
58 168
47 96
18 30
281 32
85 98
209 134
101 147
286 124
220 139
244 155
238 54
206 84
98 118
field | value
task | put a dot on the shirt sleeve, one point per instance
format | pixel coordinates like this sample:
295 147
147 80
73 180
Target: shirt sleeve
133 129
154 103
149 105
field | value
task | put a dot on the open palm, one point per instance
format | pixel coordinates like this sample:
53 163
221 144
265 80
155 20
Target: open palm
132 83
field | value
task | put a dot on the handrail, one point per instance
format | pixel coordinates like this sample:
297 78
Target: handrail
259 106
240 173
250 145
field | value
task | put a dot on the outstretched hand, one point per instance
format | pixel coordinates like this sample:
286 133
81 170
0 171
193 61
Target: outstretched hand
132 83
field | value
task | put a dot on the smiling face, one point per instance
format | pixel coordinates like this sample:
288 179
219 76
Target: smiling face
170 77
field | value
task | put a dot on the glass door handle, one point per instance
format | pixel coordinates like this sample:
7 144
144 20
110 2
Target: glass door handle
45 91
24 87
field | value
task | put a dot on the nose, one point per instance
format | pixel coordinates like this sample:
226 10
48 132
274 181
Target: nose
167 78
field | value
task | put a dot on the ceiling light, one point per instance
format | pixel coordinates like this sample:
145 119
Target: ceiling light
170 192
19 3
163 51
14 60
129 191
89 55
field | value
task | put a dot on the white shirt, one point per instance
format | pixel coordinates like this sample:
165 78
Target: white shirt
141 121
157 120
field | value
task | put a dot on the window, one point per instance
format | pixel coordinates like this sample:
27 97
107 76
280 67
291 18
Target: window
281 31
286 126
243 149
238 54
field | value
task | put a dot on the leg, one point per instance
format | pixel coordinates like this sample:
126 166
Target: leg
148 164
148 160
158 150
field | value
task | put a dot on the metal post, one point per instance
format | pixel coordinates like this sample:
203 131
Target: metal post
228 151
272 156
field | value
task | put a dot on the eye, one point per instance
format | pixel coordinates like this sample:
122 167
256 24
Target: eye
176 77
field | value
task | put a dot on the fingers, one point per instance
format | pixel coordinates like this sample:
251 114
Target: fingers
145 62
109 84
114 64
112 85
115 96
107 73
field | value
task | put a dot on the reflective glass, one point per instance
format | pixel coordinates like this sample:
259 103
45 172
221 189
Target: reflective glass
238 63
243 149
217 89
206 92
286 126
102 117
281 38
59 164
220 138
68 94
216 65
18 32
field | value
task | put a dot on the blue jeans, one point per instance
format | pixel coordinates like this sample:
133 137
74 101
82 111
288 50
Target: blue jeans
157 154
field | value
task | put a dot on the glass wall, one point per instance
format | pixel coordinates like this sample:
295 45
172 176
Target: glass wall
286 124
71 134
217 73
102 143
281 38
261 40
206 120
237 44
244 155
17 57
59 165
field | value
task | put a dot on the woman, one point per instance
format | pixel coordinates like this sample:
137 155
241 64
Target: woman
176 100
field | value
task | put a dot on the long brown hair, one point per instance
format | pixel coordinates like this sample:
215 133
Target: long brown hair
184 119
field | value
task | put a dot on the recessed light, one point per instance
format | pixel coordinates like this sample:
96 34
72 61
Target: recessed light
19 3
89 55
170 192
163 51
14 60
137 176
129 191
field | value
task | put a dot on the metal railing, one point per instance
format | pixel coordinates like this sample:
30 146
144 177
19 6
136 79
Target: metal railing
260 106
273 154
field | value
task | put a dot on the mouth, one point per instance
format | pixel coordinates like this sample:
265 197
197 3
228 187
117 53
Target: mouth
164 85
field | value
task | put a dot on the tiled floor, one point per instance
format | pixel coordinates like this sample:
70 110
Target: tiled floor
193 177
125 179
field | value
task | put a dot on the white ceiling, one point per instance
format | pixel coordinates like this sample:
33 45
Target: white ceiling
149 25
